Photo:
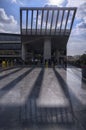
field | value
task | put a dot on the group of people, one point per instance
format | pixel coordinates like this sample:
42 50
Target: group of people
54 62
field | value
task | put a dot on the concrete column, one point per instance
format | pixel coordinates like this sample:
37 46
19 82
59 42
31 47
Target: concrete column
24 51
57 56
47 48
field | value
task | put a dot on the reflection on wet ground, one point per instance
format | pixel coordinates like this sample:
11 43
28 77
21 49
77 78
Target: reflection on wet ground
39 98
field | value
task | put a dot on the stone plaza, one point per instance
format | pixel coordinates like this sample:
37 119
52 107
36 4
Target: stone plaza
42 98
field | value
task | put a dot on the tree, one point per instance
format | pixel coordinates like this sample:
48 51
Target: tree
83 59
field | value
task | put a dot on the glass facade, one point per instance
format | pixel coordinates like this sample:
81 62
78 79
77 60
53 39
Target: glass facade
10 45
10 52
9 37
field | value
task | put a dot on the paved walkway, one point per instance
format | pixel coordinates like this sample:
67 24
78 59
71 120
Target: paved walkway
42 98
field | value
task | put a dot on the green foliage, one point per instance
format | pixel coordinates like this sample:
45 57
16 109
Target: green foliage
83 59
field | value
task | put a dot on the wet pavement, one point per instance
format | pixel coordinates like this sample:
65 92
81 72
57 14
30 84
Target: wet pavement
42 98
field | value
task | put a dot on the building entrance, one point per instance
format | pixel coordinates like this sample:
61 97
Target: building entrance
46 32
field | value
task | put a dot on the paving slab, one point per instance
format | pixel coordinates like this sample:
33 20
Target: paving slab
36 98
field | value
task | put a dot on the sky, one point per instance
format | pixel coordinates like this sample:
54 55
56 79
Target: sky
10 20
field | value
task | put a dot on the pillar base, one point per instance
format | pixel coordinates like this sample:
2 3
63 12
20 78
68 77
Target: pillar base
47 49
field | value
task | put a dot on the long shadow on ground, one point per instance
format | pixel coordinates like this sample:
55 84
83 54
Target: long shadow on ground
32 113
4 76
9 113
13 83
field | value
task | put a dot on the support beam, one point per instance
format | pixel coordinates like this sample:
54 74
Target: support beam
36 21
66 21
47 49
24 51
45 30
41 21
49 8
34 40
46 21
56 21
74 12
31 21
61 21
51 21
21 21
26 20
57 56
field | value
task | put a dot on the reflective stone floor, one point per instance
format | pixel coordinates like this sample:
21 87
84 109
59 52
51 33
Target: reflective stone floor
42 99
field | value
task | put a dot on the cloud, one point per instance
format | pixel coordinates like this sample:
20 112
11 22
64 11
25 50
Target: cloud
81 15
8 23
76 46
6 19
81 25
54 18
77 41
60 3
75 3
80 29
1 25
14 1
19 2
56 2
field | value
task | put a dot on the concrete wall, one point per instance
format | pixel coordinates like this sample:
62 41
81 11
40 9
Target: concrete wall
47 48
24 51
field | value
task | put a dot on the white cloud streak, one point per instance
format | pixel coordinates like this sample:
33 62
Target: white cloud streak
14 1
6 19
56 2
77 41
19 2
75 3
8 23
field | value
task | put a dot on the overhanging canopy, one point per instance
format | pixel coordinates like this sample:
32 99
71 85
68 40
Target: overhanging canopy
46 20
37 23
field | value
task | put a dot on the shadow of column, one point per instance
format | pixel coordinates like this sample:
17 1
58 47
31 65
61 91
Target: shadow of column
29 111
13 83
32 113
9 74
64 87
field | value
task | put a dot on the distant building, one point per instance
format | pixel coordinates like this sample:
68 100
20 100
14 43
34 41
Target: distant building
73 58
10 46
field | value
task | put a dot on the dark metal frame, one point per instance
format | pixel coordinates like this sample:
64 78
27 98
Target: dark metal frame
37 9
